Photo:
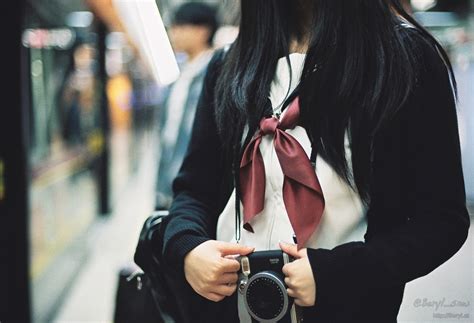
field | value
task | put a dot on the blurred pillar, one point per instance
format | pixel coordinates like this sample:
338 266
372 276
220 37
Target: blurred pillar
14 238
108 21
104 161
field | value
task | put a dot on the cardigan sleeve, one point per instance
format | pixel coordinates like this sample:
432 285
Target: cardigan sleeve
201 182
417 172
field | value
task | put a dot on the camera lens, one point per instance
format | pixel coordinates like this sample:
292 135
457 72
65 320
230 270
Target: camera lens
266 297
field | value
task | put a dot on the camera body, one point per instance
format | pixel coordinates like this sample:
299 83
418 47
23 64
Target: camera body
262 288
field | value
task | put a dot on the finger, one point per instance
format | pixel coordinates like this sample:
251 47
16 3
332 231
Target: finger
303 252
214 297
290 249
229 265
227 248
228 278
288 283
286 270
291 293
301 303
225 290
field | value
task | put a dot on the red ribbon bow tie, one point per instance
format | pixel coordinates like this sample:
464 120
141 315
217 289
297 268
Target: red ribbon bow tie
302 193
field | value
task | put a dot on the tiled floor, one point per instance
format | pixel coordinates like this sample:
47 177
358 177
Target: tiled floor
92 296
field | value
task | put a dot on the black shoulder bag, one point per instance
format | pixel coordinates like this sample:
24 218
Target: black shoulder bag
144 295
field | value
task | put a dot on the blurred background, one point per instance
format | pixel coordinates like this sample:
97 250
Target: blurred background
81 154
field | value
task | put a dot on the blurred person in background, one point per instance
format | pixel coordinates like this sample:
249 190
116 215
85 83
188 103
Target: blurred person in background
192 32
78 95
347 111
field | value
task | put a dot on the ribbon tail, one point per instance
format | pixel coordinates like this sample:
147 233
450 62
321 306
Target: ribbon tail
305 208
294 161
252 182
302 193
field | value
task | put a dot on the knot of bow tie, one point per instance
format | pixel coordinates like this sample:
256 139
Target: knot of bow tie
302 193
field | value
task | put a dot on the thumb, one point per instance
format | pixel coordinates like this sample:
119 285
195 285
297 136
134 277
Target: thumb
227 248
290 249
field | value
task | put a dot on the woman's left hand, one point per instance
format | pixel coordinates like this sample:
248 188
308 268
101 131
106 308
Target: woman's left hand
299 276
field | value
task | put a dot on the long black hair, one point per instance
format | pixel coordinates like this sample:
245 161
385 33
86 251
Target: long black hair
360 69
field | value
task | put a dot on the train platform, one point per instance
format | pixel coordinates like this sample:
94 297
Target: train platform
91 297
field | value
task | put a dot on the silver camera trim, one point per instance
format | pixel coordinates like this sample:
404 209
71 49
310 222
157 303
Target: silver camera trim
277 280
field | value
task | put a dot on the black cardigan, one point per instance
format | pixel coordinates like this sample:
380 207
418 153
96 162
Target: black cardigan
417 218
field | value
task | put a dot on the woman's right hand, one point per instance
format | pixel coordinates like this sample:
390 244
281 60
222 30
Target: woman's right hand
209 270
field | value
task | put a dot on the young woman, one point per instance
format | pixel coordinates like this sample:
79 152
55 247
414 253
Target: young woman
366 94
